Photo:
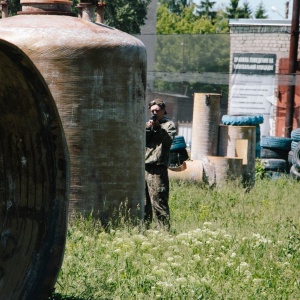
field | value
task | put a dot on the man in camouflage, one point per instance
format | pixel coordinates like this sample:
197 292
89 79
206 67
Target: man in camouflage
160 132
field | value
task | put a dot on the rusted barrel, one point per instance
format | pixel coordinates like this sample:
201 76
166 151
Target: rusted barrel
97 76
206 118
34 180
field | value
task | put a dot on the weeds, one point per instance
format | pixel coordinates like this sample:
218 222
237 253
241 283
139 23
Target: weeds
260 169
224 243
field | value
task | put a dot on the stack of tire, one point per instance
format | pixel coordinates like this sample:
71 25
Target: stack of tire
178 152
274 155
246 120
294 154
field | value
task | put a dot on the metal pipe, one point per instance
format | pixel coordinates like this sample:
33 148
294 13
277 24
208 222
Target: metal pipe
86 11
292 69
100 12
287 3
4 9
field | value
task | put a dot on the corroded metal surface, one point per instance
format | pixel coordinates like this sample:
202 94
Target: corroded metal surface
97 76
33 181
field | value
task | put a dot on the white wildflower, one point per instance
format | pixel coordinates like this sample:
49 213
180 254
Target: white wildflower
160 272
205 280
181 280
257 281
227 236
145 245
242 267
256 235
178 257
196 257
175 265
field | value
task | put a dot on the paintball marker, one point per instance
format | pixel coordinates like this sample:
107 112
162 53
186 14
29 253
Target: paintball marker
153 118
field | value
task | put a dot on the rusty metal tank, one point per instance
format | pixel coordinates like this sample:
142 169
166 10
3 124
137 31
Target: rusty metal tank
97 76
34 180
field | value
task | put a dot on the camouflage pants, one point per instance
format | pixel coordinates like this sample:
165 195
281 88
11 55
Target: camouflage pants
157 195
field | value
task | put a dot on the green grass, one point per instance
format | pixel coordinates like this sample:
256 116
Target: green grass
224 243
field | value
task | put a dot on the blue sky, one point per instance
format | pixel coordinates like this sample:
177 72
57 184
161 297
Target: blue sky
279 14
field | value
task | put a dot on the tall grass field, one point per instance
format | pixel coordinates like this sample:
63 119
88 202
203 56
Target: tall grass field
224 243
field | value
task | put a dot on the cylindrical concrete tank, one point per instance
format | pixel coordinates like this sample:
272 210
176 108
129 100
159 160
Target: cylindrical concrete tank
97 76
239 141
190 170
227 169
34 181
206 118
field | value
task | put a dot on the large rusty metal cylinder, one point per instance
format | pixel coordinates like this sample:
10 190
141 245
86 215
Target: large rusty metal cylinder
97 76
34 181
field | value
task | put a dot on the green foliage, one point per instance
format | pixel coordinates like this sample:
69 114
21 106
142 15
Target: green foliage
183 44
127 16
176 6
224 243
195 54
260 12
13 7
205 9
172 23
260 169
246 11
187 22
234 11
73 7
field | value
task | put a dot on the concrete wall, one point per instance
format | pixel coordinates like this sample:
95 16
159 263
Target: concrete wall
260 36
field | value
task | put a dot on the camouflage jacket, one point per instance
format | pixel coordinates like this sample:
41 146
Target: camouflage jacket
158 143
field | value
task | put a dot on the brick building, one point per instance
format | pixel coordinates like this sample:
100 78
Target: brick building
259 52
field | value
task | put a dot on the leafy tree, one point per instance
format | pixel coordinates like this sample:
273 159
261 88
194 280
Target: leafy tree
189 23
194 54
205 9
233 10
245 11
221 22
260 12
125 15
176 6
13 7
